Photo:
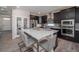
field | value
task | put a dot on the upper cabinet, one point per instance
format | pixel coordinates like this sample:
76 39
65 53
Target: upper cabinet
64 15
57 17
33 17
68 13
77 15
44 19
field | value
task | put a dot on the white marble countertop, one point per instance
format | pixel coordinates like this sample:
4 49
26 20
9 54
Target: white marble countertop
39 33
77 29
55 27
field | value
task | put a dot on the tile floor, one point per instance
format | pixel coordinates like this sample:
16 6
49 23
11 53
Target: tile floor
9 45
6 43
67 46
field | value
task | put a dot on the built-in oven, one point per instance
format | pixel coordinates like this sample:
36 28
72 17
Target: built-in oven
67 27
68 32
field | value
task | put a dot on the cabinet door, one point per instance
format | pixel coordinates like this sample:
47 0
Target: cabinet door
77 15
63 14
57 17
68 13
44 19
37 18
76 36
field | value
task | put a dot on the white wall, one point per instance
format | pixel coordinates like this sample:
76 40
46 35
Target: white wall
19 13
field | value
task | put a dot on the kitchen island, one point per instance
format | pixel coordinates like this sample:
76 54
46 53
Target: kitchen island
39 34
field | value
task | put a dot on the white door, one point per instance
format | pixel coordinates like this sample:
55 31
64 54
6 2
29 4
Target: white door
6 24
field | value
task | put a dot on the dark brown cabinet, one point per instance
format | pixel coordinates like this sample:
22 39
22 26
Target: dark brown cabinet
57 17
76 21
37 18
76 36
77 15
68 13
64 15
44 19
33 17
58 33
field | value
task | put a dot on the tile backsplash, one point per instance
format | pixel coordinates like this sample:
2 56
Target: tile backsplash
77 26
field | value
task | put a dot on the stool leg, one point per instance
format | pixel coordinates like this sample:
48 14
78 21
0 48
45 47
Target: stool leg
37 47
56 44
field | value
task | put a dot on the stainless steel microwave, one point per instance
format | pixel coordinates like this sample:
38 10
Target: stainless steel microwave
67 22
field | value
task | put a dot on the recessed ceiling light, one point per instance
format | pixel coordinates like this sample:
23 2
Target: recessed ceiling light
2 8
17 6
38 12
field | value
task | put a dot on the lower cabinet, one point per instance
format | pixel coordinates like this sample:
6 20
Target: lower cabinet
68 38
75 39
59 32
77 15
76 36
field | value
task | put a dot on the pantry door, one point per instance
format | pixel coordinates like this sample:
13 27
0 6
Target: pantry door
6 24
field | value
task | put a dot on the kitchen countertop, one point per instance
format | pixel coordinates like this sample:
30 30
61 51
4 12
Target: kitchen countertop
55 27
76 29
39 33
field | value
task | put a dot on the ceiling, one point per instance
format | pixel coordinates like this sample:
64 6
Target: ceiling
34 10
43 10
5 10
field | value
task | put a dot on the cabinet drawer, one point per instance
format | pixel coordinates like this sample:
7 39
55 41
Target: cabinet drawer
77 36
